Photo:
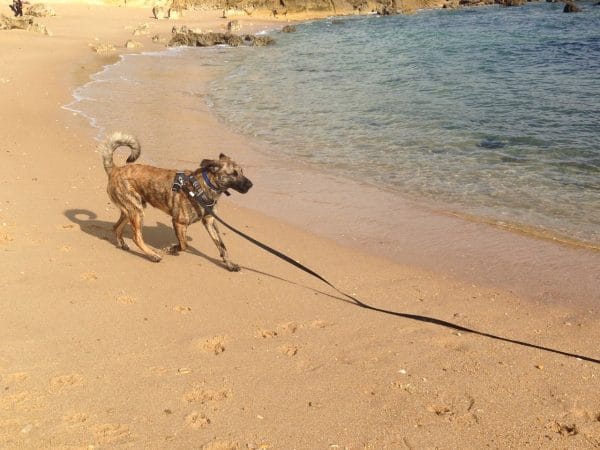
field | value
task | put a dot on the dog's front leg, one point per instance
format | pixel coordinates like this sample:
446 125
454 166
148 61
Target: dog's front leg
213 231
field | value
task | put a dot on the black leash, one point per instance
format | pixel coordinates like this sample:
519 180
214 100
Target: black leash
417 317
208 208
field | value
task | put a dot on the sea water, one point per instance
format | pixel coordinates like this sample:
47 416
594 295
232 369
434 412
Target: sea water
491 111
488 112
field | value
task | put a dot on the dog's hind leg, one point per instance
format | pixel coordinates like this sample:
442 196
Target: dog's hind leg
135 218
213 231
118 229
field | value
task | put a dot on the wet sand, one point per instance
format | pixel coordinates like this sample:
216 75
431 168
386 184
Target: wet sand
103 348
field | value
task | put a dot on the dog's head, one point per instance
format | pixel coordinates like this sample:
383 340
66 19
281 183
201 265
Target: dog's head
227 174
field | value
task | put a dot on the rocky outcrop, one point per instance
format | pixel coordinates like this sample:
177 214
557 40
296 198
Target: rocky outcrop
22 23
571 7
191 39
39 10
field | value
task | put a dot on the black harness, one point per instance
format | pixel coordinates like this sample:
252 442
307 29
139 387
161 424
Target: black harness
198 196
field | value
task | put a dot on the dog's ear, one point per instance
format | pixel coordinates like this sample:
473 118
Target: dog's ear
223 157
210 164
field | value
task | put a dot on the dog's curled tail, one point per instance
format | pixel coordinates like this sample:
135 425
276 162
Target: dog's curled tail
113 142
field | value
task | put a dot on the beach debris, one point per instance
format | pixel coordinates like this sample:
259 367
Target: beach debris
289 29
571 7
103 48
40 10
133 44
234 25
159 13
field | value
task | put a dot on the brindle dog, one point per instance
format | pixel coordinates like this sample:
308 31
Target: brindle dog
131 186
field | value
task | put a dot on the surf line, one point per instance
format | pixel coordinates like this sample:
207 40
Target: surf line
417 317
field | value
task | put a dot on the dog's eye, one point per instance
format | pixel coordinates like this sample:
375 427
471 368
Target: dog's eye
235 173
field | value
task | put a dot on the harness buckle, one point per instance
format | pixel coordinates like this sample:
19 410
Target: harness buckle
178 182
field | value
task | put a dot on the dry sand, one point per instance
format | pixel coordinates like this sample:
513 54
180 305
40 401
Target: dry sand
100 348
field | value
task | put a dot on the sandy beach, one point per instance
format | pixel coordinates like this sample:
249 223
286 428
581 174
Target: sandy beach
101 348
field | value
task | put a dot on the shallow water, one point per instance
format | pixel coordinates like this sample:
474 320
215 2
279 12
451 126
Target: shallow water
316 150
492 112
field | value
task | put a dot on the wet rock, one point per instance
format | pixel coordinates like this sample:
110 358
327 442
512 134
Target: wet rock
289 29
571 7
132 44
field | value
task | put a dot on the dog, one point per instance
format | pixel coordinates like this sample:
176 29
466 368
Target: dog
132 186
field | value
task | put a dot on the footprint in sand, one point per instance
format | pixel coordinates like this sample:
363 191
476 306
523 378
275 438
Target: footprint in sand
14 378
197 420
89 276
320 324
64 381
283 328
225 445
5 238
125 299
202 395
214 345
288 350
76 419
112 434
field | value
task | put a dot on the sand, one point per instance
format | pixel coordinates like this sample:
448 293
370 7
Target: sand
101 348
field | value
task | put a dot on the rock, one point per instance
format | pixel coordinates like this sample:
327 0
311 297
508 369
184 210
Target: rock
174 14
229 12
234 25
509 3
16 23
132 44
191 39
40 10
259 41
159 12
103 49
157 39
288 29
386 10
571 7
22 23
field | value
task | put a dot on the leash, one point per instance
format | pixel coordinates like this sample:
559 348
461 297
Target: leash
432 320
416 317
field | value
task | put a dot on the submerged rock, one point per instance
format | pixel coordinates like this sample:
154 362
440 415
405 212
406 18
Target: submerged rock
571 7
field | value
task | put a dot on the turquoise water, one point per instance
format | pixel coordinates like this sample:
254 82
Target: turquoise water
487 111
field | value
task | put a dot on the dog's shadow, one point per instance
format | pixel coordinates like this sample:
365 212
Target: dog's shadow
160 236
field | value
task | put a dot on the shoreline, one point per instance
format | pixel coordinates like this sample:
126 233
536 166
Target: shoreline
382 222
102 348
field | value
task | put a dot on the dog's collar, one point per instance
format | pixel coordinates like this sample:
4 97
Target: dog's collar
208 182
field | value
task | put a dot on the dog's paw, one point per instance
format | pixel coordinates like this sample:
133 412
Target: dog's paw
232 267
123 246
155 258
173 249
